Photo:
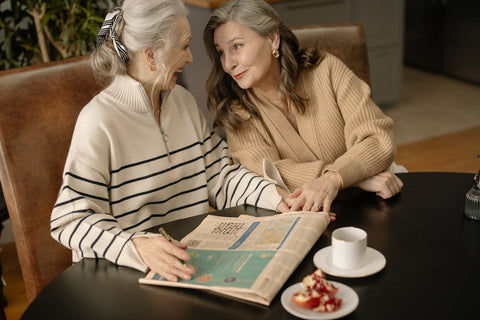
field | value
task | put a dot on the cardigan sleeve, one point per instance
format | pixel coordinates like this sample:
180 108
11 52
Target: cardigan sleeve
252 143
368 132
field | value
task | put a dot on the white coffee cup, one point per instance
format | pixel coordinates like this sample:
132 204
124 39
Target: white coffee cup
349 248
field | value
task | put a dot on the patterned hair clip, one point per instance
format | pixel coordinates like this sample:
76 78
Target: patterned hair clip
109 29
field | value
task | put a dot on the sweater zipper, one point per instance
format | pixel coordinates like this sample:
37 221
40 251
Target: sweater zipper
165 141
163 131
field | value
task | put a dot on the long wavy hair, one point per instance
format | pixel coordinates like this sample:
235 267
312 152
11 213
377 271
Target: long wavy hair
224 94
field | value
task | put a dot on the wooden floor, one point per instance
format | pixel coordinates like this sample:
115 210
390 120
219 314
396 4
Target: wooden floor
455 152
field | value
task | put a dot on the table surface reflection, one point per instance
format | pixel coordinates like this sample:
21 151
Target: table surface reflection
432 271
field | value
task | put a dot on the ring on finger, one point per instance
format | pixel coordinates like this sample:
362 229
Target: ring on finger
317 205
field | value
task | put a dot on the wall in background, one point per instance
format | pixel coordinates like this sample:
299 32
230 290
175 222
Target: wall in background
443 36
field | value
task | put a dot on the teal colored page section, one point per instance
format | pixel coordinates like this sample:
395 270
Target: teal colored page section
224 268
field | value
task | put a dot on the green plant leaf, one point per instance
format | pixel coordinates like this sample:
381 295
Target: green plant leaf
46 18
66 36
74 24
8 47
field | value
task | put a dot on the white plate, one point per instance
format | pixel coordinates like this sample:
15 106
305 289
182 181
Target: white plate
375 262
348 296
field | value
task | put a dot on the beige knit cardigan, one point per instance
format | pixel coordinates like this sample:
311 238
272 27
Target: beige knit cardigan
342 129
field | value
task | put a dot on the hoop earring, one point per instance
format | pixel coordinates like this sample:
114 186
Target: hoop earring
275 53
153 67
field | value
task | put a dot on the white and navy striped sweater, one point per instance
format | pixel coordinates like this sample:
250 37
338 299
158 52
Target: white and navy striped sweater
123 176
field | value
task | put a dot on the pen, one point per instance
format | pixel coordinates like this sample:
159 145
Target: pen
165 234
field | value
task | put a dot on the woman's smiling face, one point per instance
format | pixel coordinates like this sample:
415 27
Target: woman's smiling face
246 56
179 54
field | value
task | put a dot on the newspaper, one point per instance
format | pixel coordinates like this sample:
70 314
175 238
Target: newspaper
248 257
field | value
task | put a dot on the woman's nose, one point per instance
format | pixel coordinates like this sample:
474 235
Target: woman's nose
189 56
229 61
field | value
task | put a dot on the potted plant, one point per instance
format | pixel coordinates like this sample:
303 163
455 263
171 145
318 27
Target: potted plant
36 31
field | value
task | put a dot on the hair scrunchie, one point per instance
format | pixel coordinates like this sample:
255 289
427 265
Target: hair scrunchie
109 29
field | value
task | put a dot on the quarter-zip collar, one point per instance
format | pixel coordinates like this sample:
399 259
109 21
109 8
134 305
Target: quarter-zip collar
131 95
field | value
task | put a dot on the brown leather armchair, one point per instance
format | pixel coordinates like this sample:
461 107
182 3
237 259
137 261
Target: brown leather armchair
39 106
346 41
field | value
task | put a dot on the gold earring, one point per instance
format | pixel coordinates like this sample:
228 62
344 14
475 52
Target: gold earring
275 53
153 67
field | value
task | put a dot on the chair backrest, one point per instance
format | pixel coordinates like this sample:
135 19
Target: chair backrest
347 42
39 106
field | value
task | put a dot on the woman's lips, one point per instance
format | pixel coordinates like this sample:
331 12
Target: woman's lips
239 75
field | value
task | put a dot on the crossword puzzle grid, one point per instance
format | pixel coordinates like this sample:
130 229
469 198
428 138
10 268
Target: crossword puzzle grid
226 228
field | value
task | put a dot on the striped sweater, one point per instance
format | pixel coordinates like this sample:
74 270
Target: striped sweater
341 130
122 175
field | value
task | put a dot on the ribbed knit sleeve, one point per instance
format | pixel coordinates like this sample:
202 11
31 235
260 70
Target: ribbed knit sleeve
368 135
251 144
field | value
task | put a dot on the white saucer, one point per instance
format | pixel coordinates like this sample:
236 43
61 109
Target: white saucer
375 262
348 296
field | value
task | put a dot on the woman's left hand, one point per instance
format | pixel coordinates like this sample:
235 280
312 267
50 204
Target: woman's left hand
385 184
316 195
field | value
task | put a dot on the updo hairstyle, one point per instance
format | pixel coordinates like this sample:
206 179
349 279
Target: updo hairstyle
145 24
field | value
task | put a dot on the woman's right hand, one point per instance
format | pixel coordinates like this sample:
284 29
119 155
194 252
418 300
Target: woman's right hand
164 257
316 195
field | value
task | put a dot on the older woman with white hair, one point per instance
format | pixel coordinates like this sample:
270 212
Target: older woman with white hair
142 153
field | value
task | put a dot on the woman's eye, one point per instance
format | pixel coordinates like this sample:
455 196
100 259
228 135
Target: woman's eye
237 46
220 52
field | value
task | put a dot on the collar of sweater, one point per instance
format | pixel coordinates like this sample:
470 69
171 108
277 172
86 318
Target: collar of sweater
131 95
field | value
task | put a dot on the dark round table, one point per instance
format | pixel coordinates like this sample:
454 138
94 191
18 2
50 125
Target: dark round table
432 270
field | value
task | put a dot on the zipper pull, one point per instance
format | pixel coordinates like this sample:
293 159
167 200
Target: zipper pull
165 141
164 134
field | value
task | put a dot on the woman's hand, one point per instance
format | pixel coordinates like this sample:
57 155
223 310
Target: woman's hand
318 194
282 206
164 257
385 184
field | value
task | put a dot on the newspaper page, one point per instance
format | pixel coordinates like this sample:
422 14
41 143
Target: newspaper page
248 257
